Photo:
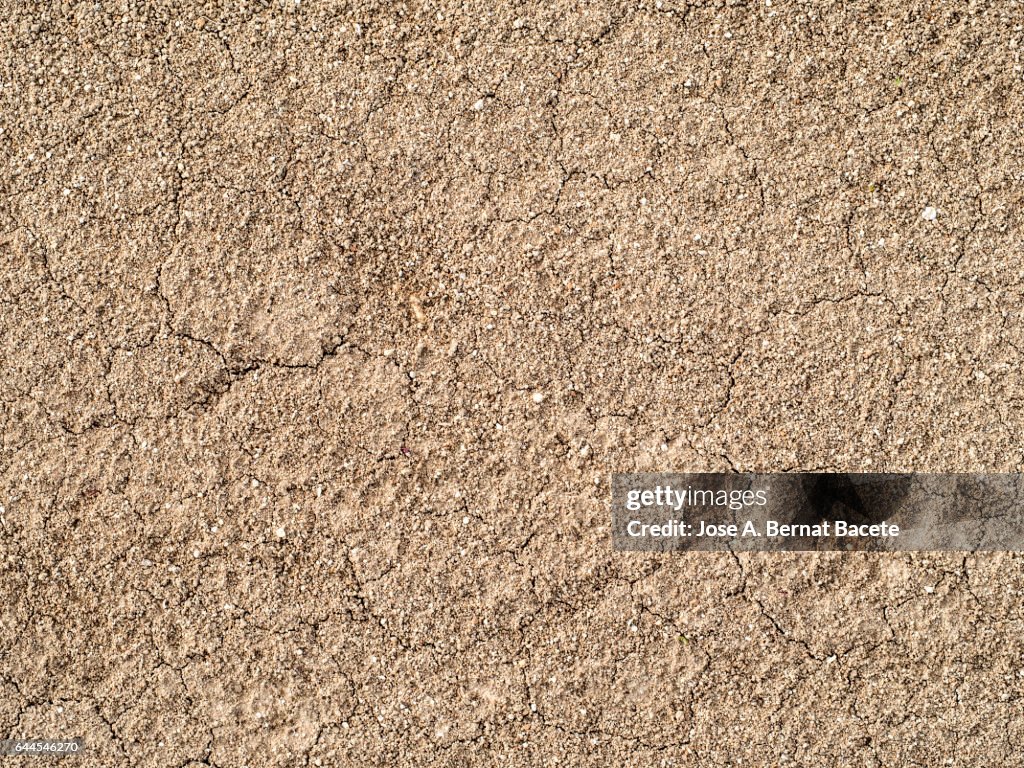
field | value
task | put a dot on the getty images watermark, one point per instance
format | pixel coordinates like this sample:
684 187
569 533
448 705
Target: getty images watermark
820 511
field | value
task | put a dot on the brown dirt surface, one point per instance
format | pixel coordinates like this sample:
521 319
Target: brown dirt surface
323 326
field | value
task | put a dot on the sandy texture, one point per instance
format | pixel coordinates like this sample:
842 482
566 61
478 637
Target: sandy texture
323 328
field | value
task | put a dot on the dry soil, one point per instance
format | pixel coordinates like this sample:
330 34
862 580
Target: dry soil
323 325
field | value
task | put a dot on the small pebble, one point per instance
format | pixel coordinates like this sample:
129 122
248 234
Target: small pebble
929 213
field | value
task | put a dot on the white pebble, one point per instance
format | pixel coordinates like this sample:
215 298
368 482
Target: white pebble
479 105
929 213
281 533
538 397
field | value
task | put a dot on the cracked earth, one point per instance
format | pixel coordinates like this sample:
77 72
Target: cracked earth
322 328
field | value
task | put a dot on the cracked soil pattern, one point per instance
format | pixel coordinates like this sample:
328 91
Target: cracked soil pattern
323 325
